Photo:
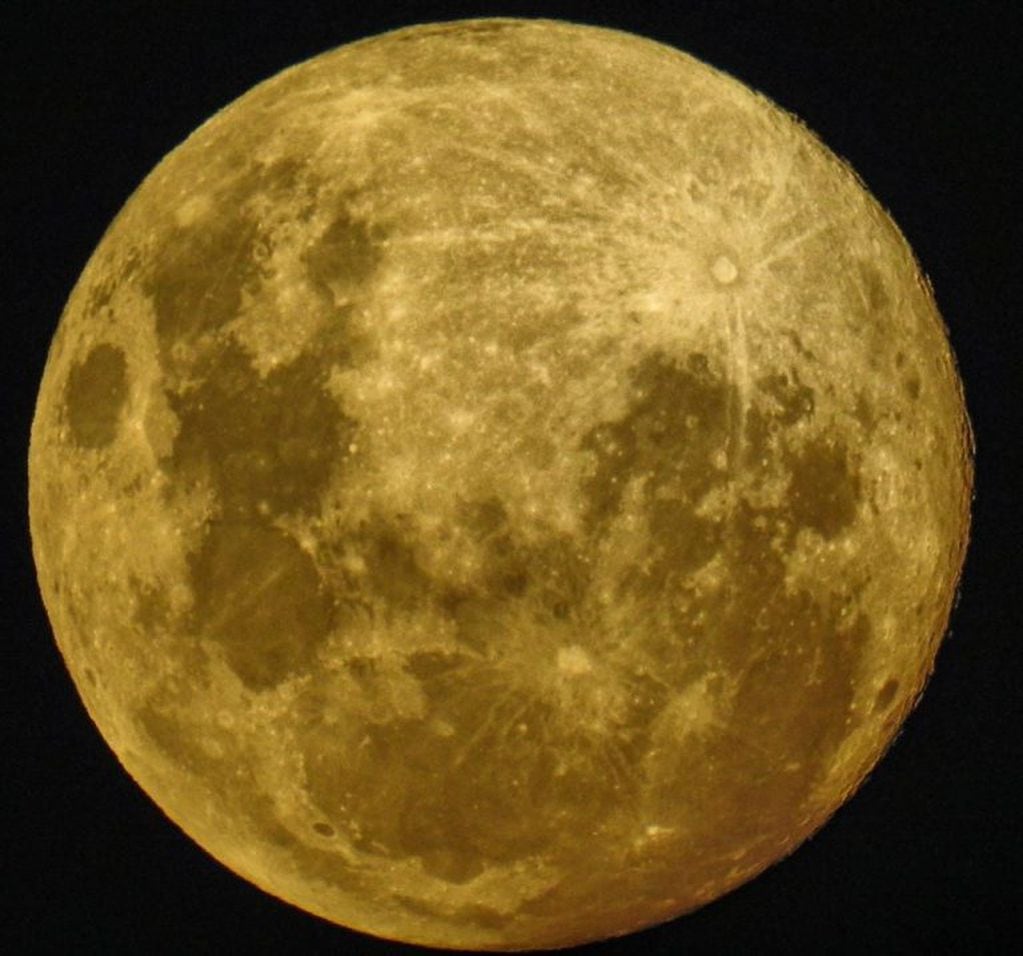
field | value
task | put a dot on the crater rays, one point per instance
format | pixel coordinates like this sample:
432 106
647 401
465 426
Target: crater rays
739 355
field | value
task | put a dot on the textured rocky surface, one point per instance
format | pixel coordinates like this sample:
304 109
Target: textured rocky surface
500 484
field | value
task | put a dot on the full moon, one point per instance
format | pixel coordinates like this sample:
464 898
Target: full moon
500 484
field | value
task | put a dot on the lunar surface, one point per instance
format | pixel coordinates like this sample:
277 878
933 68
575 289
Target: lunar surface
500 484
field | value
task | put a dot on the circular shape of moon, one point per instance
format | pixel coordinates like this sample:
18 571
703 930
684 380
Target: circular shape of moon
500 484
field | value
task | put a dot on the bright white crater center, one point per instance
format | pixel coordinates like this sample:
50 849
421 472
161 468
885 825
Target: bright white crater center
724 270
574 660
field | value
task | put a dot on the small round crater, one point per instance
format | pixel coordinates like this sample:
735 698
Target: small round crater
90 676
886 694
724 270
324 829
873 286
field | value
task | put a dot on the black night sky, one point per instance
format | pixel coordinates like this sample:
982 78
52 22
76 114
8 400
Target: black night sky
917 96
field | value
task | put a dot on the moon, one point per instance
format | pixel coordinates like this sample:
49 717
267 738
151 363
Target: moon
500 484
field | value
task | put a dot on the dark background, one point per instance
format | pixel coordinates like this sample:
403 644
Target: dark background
917 96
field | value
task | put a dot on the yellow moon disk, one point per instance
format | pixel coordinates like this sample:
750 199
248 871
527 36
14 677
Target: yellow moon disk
500 484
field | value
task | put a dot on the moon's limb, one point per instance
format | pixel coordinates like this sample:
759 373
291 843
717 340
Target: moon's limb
459 495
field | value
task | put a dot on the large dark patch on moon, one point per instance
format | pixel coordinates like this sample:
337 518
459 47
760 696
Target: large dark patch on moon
258 596
199 270
267 443
95 395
